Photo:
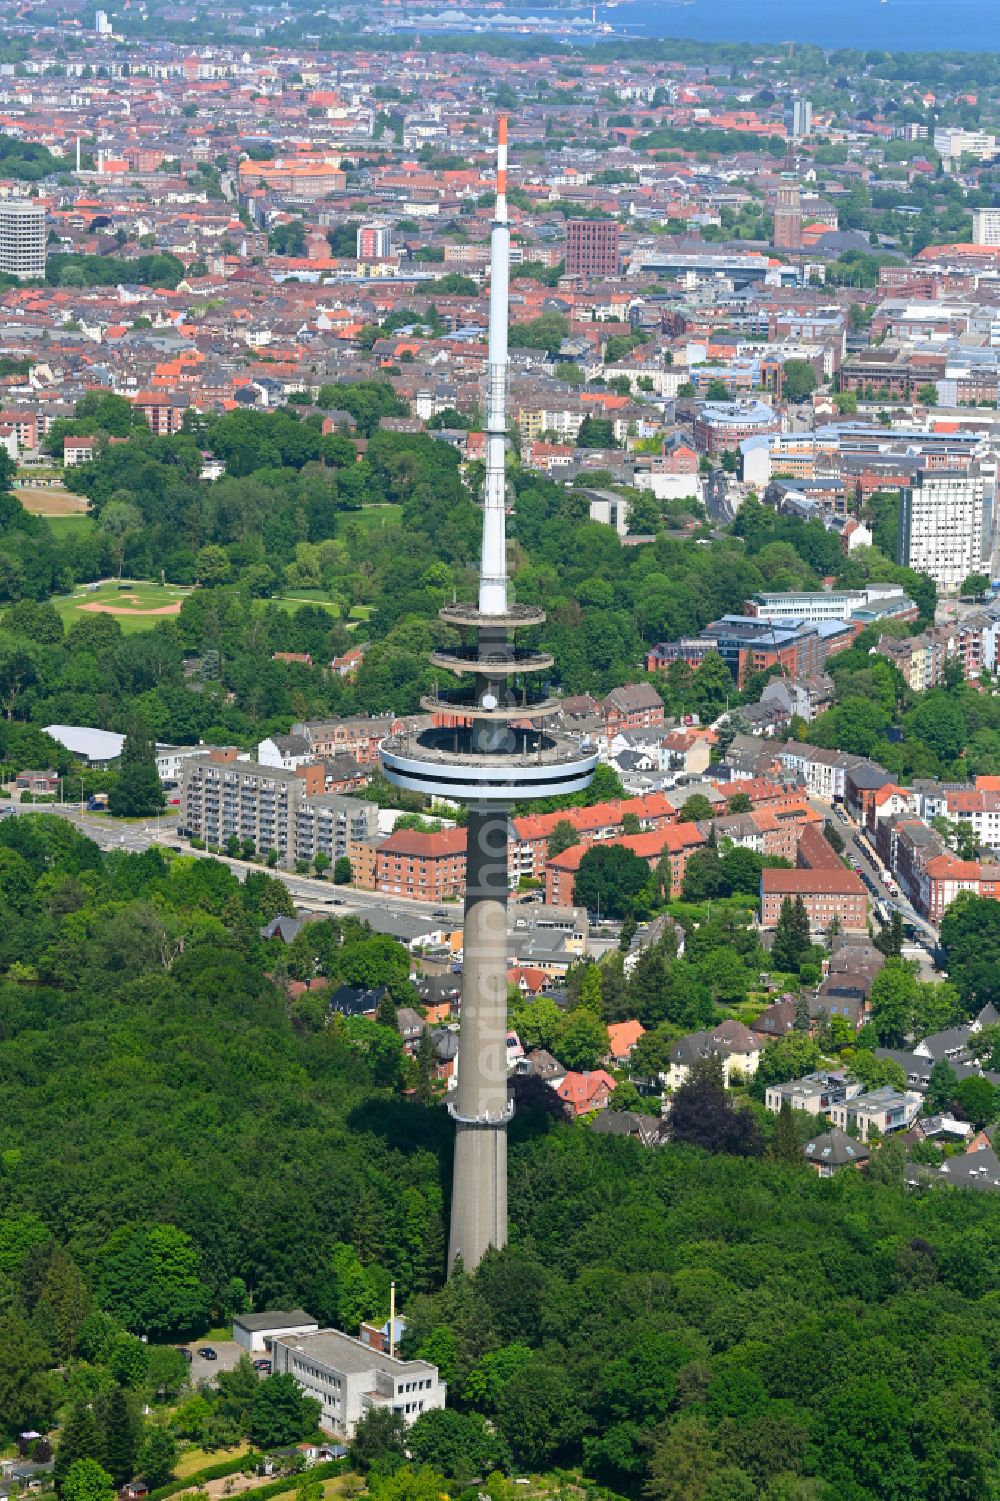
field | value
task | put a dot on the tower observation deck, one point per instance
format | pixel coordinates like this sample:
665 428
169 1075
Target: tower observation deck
496 752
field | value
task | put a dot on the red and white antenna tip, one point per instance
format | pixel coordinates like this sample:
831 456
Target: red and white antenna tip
502 131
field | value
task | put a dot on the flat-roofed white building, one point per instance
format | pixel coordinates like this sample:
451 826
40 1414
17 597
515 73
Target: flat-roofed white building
349 1378
257 1331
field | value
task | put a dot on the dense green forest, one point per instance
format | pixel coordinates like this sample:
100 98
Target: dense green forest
182 1136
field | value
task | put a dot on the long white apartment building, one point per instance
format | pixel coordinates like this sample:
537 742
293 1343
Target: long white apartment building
944 525
952 142
812 606
349 1378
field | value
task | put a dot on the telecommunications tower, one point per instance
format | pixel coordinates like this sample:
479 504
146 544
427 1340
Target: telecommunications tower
494 754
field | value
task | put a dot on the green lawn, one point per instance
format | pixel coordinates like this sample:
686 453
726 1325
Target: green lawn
74 527
298 600
370 517
134 602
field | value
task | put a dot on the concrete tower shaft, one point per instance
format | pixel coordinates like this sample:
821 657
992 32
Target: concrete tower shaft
487 750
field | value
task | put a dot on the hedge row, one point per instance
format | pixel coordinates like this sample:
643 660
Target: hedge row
220 1471
324 1471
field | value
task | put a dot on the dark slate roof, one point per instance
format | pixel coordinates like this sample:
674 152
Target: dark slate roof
284 928
836 1149
350 1001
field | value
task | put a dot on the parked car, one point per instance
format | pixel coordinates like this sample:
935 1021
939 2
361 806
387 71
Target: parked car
207 1353
183 1350
263 1365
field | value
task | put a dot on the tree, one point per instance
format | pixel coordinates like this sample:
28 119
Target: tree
738 803
790 1057
928 394
976 584
893 996
799 380
151 1279
977 1099
888 1164
596 432
889 939
138 790
940 723
792 937
970 935
941 1087
212 566
457 1444
86 1480
538 1414
696 809
281 1413
563 837
785 1144
582 1040
119 521
80 1439
702 1114
613 880
876 1073
321 861
684 1464
379 1442
157 1456
121 1437
343 873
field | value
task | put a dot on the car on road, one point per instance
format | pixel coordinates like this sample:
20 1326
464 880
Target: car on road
440 912
263 1365
207 1353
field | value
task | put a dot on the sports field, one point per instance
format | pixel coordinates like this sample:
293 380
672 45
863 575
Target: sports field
135 604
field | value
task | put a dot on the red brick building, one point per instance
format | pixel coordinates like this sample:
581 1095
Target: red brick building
532 832
826 894
427 867
592 248
677 841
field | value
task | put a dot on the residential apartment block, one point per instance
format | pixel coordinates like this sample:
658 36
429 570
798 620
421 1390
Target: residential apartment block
273 807
427 867
22 238
826 894
592 247
942 525
885 1109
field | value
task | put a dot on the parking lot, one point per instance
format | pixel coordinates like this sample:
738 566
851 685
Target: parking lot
227 1350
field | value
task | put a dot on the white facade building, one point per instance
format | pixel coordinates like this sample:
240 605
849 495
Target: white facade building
257 1331
986 226
22 239
349 1378
951 142
802 117
942 526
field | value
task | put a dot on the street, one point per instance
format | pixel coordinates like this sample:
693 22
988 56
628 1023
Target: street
924 949
138 836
